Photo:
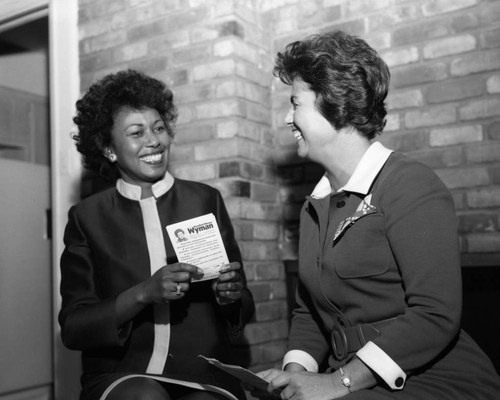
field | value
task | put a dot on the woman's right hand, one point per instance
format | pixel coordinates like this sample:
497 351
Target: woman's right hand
169 283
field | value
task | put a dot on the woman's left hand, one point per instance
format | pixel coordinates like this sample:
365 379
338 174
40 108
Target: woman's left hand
302 385
229 284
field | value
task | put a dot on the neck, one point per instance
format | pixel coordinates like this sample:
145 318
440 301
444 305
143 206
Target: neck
146 192
344 159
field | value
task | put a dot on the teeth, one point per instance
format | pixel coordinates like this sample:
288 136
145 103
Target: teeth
151 158
297 135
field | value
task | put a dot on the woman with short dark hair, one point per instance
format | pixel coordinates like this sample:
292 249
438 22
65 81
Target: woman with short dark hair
378 301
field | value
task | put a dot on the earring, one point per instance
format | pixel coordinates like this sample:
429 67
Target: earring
112 157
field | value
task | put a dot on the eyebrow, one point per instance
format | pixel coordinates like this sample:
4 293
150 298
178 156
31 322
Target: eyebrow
141 124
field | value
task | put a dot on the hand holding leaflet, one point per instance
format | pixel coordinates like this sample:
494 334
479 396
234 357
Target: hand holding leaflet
198 241
244 375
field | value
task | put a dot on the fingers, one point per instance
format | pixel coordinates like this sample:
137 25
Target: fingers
180 272
181 288
230 272
229 286
264 374
183 268
279 382
172 291
287 393
269 374
180 276
233 266
170 282
270 392
228 292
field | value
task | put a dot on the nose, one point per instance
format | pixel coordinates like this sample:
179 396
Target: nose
152 139
289 117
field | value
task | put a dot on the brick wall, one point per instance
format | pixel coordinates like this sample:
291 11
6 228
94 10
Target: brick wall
217 55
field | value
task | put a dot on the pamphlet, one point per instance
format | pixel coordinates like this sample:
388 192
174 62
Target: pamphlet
244 375
198 241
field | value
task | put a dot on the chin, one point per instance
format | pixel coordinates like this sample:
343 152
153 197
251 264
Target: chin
155 176
301 152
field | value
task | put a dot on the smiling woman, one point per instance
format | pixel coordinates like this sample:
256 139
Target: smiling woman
377 311
127 113
139 146
127 303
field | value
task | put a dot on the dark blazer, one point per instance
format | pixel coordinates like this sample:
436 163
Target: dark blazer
106 253
401 265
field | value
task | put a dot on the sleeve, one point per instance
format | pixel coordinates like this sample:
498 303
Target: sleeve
86 320
237 314
421 227
302 358
307 345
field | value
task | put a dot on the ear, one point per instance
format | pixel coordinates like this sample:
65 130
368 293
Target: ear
108 153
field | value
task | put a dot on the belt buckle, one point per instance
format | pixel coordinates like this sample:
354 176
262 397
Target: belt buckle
339 343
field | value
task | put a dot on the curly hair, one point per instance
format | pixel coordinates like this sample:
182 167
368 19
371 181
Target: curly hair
348 76
97 109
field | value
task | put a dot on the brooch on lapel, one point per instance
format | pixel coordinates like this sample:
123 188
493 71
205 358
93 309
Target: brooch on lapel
363 209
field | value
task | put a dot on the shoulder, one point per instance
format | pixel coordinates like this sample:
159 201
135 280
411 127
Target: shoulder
403 172
405 184
95 202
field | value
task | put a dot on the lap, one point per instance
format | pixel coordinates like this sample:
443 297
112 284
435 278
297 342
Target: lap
139 388
145 388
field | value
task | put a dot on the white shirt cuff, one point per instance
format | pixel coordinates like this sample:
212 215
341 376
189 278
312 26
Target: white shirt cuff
302 358
375 358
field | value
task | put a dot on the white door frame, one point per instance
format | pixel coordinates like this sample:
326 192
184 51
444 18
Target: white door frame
65 166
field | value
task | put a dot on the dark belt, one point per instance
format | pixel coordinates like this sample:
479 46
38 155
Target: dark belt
350 339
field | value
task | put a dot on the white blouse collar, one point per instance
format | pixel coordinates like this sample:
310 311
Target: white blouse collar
133 192
365 173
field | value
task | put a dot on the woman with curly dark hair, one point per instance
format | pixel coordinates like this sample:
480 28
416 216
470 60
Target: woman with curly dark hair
96 114
134 311
378 301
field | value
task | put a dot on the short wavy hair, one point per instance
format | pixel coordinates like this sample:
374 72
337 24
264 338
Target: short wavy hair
97 109
348 76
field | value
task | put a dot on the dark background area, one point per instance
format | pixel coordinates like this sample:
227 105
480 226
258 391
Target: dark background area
481 302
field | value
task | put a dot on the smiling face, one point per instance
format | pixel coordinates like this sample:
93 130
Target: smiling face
140 144
312 131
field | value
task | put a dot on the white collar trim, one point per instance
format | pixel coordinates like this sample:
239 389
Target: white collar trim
365 173
133 192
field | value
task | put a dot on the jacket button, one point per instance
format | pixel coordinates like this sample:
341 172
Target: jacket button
399 382
340 204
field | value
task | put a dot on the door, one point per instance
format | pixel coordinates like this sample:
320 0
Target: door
25 277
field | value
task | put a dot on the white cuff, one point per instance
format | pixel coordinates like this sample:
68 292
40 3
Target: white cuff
302 358
375 358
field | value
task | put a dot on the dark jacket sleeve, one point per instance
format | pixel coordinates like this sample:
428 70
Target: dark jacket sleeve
87 321
421 227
